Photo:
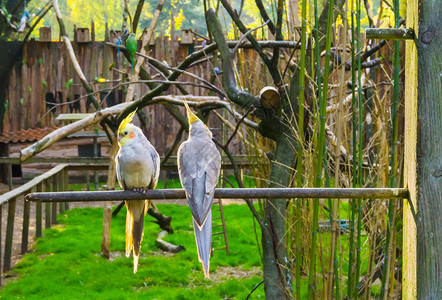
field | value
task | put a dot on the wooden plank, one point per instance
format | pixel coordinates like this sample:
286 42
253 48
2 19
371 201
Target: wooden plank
25 228
409 280
9 234
38 215
35 85
429 151
24 94
14 118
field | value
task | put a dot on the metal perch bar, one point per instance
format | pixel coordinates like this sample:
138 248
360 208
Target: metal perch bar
241 193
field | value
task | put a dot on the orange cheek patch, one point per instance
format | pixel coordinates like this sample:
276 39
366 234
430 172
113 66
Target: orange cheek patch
131 135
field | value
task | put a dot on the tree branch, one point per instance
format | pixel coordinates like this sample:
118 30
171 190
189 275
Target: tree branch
137 15
265 16
74 60
64 131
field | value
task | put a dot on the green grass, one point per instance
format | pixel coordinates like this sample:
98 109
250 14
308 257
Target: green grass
66 262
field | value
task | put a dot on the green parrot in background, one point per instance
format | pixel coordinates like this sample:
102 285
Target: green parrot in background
131 46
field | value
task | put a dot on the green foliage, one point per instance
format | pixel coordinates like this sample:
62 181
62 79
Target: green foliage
66 261
187 14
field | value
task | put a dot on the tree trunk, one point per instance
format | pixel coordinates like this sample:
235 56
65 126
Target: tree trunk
277 282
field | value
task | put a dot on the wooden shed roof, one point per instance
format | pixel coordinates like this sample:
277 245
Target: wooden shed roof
25 135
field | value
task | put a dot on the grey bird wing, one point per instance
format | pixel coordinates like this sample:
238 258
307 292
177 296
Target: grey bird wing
119 173
156 166
199 164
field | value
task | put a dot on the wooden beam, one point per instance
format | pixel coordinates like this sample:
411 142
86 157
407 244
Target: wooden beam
389 33
241 193
429 150
30 184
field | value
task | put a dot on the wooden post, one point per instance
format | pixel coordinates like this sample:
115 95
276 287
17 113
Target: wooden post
66 185
1 220
95 155
107 213
59 188
10 176
53 183
429 151
38 215
25 229
9 234
47 205
4 174
423 150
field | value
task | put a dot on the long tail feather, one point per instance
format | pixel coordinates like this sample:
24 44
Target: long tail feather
134 229
203 239
129 240
133 66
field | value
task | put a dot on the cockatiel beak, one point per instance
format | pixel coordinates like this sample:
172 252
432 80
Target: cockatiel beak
190 115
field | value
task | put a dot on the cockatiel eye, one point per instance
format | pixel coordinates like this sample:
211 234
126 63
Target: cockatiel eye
125 133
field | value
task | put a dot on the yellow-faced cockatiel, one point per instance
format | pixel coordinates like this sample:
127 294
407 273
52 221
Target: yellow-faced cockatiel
199 164
138 168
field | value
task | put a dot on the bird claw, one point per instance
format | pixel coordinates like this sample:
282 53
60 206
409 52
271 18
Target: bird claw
140 190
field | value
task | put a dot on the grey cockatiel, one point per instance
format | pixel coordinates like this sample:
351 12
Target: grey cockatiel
199 163
138 168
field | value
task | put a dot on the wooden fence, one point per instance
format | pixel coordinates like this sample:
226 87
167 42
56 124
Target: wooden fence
39 86
43 84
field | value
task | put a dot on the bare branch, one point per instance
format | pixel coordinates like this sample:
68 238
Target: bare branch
244 36
74 60
64 131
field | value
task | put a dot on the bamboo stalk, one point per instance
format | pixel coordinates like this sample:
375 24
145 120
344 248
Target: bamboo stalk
299 181
354 148
360 147
393 162
321 148
335 208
